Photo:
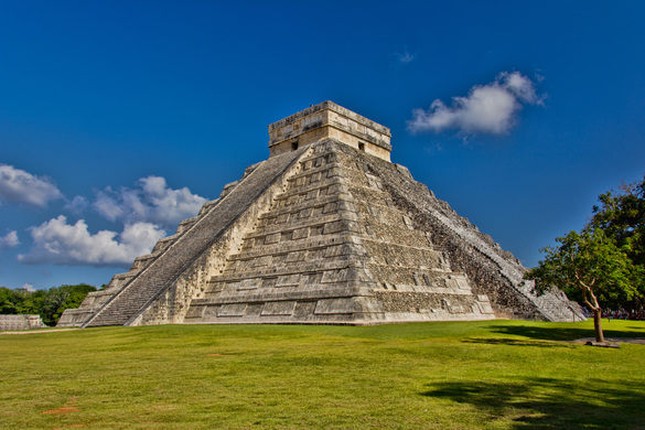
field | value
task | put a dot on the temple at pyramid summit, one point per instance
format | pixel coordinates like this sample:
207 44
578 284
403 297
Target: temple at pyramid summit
327 230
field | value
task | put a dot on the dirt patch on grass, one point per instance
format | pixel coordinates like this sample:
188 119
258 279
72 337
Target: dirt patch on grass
61 410
67 408
635 340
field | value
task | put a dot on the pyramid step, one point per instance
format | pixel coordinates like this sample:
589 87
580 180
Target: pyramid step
159 275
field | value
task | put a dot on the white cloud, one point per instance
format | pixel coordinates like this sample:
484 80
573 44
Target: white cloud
151 201
58 242
108 206
490 108
143 210
22 187
9 240
28 287
77 205
405 57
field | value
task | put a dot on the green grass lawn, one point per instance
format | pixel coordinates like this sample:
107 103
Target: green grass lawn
463 375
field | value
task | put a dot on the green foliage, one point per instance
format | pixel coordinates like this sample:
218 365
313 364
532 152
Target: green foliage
20 301
604 265
64 297
8 301
622 218
49 304
606 259
588 264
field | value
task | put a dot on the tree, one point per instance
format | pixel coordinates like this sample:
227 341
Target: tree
622 217
8 301
49 304
59 299
589 268
605 263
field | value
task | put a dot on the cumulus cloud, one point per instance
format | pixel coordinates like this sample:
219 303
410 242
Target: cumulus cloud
19 186
143 210
151 201
9 240
55 241
487 109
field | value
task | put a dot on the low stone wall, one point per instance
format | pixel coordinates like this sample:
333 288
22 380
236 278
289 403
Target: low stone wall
21 322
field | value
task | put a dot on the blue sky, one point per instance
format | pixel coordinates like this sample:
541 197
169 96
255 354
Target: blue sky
119 118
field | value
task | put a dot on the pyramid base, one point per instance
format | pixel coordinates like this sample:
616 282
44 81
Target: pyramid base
366 310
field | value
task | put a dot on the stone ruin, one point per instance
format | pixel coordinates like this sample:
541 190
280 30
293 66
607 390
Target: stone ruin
21 322
326 230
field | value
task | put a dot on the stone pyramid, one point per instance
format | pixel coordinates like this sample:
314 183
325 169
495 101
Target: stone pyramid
326 230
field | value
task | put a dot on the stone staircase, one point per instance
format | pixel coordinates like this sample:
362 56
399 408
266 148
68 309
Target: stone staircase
194 237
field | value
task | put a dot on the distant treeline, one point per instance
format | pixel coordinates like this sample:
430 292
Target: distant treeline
49 304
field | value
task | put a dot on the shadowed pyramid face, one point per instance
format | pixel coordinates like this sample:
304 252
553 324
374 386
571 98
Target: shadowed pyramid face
326 230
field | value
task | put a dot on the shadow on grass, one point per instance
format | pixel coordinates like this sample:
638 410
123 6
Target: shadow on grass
550 403
561 333
517 342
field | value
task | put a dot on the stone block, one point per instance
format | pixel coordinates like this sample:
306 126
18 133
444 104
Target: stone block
278 308
272 238
343 305
340 275
333 227
247 284
288 281
232 310
295 256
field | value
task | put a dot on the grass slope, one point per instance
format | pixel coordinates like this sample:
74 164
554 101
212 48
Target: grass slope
465 375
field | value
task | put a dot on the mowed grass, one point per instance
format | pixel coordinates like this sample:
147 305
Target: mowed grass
461 375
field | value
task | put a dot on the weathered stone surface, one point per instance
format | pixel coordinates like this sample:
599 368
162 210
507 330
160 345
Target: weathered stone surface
20 322
161 274
328 120
325 231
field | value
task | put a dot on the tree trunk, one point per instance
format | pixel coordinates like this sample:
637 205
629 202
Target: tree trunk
597 325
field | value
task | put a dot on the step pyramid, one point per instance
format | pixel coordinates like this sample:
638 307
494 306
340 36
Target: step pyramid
326 230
